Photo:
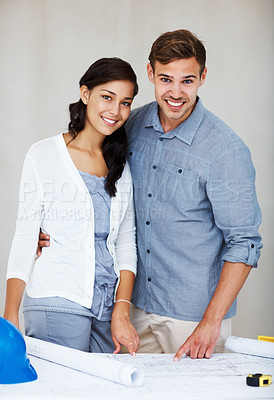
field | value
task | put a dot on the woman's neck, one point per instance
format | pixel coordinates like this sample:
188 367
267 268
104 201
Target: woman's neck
89 141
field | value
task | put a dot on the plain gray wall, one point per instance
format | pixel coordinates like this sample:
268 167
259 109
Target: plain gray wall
46 46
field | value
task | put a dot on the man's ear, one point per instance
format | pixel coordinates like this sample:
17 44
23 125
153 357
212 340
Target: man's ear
203 76
150 73
84 94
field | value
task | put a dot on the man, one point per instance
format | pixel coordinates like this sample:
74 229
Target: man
196 207
197 214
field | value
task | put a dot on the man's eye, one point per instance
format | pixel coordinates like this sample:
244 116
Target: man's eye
106 97
188 81
165 80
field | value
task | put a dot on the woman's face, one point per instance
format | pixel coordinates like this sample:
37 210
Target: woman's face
108 105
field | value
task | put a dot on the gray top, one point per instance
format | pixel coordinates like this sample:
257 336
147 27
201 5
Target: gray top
105 277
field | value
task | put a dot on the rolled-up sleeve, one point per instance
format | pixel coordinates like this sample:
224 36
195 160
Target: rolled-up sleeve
24 244
231 191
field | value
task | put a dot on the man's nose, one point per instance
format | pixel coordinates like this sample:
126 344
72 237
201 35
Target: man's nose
176 91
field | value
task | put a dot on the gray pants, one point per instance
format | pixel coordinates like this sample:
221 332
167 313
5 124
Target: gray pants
76 331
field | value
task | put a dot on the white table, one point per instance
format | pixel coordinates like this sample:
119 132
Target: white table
221 377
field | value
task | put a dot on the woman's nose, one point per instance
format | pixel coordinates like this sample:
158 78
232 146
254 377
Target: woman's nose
114 109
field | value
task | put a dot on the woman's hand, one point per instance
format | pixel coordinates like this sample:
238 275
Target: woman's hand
14 294
123 332
13 318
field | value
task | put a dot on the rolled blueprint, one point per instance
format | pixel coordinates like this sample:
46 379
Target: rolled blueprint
250 346
97 365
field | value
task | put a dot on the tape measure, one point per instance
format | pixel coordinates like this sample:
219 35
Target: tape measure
258 380
266 338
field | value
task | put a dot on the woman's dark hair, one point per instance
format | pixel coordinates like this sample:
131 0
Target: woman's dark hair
115 145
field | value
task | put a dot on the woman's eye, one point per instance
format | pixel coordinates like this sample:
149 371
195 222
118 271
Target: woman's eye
106 97
126 103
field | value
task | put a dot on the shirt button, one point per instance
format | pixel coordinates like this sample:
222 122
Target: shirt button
148 251
154 167
180 171
149 195
113 229
252 246
130 153
149 279
147 222
161 139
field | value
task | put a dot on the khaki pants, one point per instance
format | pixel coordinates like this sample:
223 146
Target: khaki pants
160 334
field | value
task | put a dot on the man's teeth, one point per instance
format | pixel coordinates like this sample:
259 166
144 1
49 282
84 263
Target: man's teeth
109 121
173 104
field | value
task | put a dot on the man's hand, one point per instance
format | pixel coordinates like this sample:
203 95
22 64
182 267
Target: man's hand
44 241
123 332
201 342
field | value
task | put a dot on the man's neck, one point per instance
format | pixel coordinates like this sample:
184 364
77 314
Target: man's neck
168 124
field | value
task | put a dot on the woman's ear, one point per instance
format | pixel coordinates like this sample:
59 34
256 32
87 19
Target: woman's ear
84 94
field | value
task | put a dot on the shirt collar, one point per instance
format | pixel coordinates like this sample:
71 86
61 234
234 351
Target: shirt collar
186 130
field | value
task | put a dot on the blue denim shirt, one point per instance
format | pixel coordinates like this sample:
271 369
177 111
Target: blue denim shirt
196 207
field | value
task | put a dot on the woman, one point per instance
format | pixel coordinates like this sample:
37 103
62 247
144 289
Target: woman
77 188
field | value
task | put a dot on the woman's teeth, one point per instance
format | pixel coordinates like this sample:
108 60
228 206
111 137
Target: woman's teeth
109 121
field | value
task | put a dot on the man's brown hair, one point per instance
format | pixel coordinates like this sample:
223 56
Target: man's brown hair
171 46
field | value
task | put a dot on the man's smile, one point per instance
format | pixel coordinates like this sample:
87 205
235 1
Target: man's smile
175 105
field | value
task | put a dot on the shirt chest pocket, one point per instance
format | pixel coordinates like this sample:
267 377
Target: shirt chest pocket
178 185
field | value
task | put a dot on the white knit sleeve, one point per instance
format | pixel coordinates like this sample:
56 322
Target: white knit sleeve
126 249
30 214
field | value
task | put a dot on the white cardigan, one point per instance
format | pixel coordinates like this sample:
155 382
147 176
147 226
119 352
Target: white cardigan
54 197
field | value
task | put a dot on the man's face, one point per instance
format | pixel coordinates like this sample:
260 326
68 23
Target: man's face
176 87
